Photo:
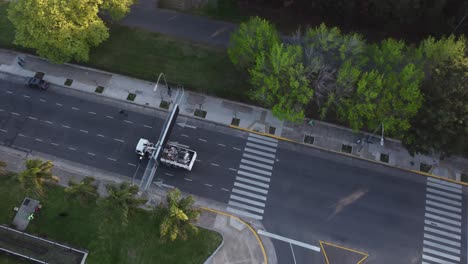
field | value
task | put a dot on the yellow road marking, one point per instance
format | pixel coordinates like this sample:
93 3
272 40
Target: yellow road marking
365 256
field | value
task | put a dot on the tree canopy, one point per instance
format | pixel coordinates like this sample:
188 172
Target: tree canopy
62 31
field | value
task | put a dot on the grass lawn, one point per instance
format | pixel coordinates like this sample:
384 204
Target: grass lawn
142 54
138 243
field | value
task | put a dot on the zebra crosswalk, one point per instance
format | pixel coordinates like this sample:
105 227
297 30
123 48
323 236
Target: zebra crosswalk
250 190
442 223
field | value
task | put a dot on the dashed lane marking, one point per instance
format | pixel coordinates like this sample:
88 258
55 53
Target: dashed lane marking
224 189
236 148
168 174
232 169
1 110
14 113
119 140
42 100
38 139
111 117
3 130
48 122
76 109
214 164
65 126
147 126
222 145
92 154
183 135
131 164
111 159
26 96
209 185
187 179
99 135
21 135
203 140
70 148
9 92
198 160
127 121
55 144
92 113
58 104
31 117
84 131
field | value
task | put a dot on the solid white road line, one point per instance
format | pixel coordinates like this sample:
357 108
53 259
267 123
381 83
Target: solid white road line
263 185
255 170
444 213
246 207
447 183
443 226
235 211
447 207
260 153
252 145
440 199
442 219
439 246
437 260
446 194
254 163
260 197
254 176
248 187
264 142
443 233
441 254
443 187
245 200
263 137
443 240
288 240
245 155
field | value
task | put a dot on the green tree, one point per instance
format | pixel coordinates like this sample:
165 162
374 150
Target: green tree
34 175
62 31
442 123
253 37
279 81
84 191
120 200
2 167
178 216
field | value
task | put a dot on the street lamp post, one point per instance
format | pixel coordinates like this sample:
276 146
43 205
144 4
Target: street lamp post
157 82
381 137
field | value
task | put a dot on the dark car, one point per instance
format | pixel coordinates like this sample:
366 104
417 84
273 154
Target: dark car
38 83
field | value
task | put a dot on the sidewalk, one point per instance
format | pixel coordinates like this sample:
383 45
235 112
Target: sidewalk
240 242
316 133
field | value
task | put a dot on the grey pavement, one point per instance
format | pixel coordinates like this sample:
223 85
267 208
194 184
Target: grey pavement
240 243
323 135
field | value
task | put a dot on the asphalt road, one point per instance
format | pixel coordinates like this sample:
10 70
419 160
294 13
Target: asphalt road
302 195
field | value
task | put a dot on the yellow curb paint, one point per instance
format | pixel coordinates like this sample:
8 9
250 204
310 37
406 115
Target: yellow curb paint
265 259
365 256
350 155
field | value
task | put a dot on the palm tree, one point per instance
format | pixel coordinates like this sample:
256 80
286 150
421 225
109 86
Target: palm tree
33 177
84 191
121 198
178 216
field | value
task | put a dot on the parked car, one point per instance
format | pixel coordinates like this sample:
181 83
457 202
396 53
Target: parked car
38 83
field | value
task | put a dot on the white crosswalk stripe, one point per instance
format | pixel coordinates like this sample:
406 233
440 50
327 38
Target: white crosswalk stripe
442 222
257 146
253 176
263 137
245 155
245 193
245 200
255 170
257 164
247 207
260 153
262 141
444 187
244 213
260 184
250 188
